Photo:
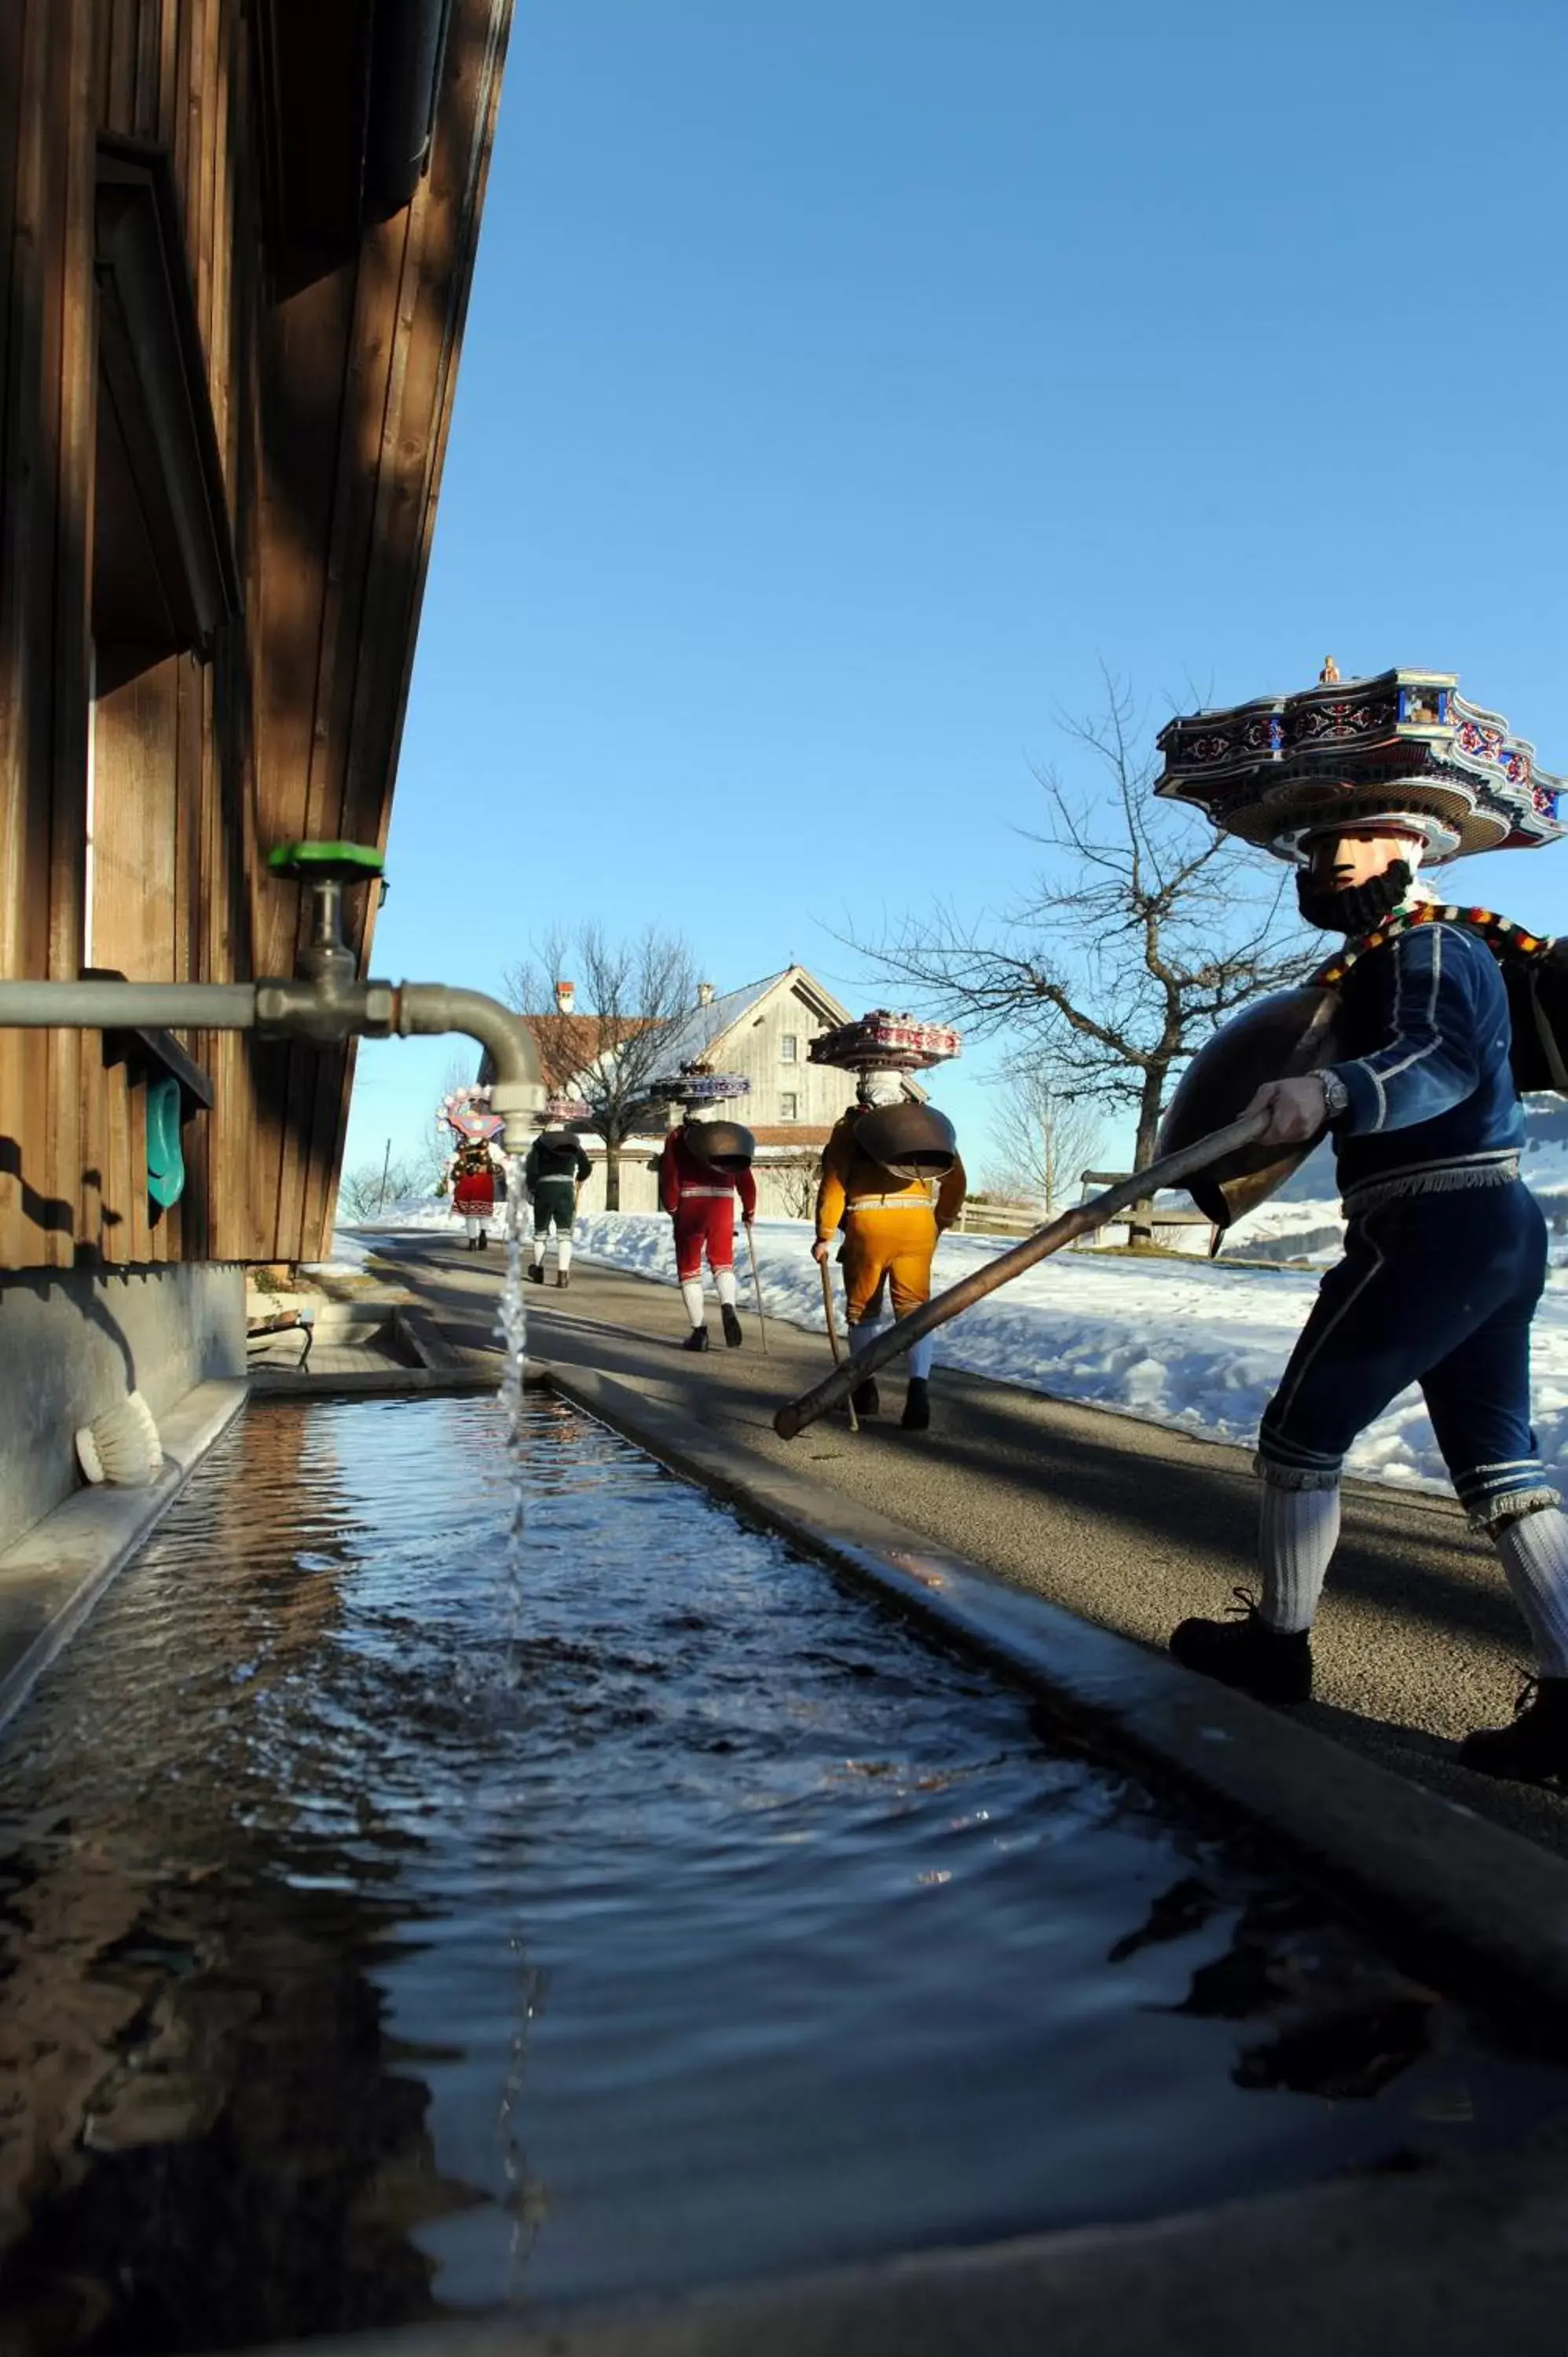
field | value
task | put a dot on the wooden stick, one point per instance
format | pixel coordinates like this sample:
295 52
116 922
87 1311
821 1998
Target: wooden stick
756 1280
833 1346
794 1416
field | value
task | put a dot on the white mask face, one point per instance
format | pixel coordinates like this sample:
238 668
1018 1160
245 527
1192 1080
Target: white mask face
881 1088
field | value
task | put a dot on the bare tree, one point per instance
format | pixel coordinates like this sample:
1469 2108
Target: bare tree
1043 1137
1144 933
799 1180
629 997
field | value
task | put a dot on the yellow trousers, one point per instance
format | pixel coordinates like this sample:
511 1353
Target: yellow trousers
892 1245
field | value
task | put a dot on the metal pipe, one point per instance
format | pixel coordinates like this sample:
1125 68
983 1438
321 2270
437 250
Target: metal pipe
323 1011
127 1006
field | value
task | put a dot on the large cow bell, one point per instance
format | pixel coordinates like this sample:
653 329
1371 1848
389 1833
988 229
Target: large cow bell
724 1145
912 1141
1281 1037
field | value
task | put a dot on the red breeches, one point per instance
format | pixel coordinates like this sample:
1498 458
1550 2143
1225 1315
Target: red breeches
704 1224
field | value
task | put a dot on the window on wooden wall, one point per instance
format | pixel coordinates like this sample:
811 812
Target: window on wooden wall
789 1105
164 576
789 1047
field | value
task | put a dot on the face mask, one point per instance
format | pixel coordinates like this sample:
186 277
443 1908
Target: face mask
1359 908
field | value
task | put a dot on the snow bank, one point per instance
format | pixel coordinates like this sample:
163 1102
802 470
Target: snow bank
1194 1346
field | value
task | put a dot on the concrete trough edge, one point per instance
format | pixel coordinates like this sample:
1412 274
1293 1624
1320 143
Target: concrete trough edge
1492 1903
52 1577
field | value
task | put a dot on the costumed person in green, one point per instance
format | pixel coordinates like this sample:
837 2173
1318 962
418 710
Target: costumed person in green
1361 783
552 1179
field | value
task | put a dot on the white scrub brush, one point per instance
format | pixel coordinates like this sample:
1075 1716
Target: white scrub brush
122 1447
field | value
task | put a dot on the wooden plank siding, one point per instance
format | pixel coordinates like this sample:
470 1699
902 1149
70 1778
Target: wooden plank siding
331 397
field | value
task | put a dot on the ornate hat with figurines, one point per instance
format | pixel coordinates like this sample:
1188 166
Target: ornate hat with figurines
882 1042
468 1111
559 1108
695 1085
1403 747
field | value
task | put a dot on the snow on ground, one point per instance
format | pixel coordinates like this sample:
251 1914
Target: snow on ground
1187 1344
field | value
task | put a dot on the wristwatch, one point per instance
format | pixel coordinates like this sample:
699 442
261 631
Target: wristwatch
1336 1096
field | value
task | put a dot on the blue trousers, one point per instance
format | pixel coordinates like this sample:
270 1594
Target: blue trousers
1437 1291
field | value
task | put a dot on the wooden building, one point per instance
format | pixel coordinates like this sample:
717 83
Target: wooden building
236 241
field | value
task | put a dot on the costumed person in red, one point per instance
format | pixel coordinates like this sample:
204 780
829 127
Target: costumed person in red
470 1169
705 1164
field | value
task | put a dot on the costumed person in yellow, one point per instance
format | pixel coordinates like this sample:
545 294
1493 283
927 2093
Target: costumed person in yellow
878 1168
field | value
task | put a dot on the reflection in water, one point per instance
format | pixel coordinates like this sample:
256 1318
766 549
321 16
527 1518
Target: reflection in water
368 1956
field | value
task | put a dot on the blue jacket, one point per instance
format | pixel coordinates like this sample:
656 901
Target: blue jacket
1425 1030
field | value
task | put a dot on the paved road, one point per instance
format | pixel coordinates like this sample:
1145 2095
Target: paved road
1126 1524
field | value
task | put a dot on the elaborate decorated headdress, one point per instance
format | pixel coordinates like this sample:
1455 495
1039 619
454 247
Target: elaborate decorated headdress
561 1109
881 1042
1403 748
468 1111
696 1087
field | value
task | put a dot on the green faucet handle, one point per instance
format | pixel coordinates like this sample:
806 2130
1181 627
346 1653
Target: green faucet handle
326 863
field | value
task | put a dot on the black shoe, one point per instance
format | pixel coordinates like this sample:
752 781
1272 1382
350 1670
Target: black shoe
484 1240
917 1415
536 1274
697 1340
865 1398
1245 1651
563 1279
733 1334
1535 1748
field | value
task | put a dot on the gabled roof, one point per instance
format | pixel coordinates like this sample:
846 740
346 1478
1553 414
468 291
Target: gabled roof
570 1045
703 1032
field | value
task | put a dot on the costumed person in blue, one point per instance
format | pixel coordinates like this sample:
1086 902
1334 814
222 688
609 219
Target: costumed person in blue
552 1178
1415 1077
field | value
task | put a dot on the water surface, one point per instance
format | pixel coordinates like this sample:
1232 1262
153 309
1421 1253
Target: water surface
385 1939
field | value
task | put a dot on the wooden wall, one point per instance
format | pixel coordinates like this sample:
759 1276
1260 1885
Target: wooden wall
331 402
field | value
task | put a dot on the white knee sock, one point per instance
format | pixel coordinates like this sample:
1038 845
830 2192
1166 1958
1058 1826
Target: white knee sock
1533 1550
691 1294
539 1252
859 1336
920 1355
724 1280
563 1252
471 1224
1297 1532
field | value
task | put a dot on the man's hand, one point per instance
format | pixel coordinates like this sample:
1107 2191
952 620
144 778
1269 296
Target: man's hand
1296 1110
820 1250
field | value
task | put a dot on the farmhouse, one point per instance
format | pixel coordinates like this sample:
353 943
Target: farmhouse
763 1032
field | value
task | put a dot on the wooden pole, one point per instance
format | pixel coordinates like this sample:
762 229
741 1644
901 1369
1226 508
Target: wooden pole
386 1165
797 1413
756 1280
838 1355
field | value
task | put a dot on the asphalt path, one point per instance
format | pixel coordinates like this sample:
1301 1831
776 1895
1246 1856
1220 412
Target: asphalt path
1119 1520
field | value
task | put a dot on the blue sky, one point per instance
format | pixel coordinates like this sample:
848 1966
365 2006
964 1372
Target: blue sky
846 380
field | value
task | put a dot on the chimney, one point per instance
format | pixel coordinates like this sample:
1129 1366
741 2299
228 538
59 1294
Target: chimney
566 997
704 994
